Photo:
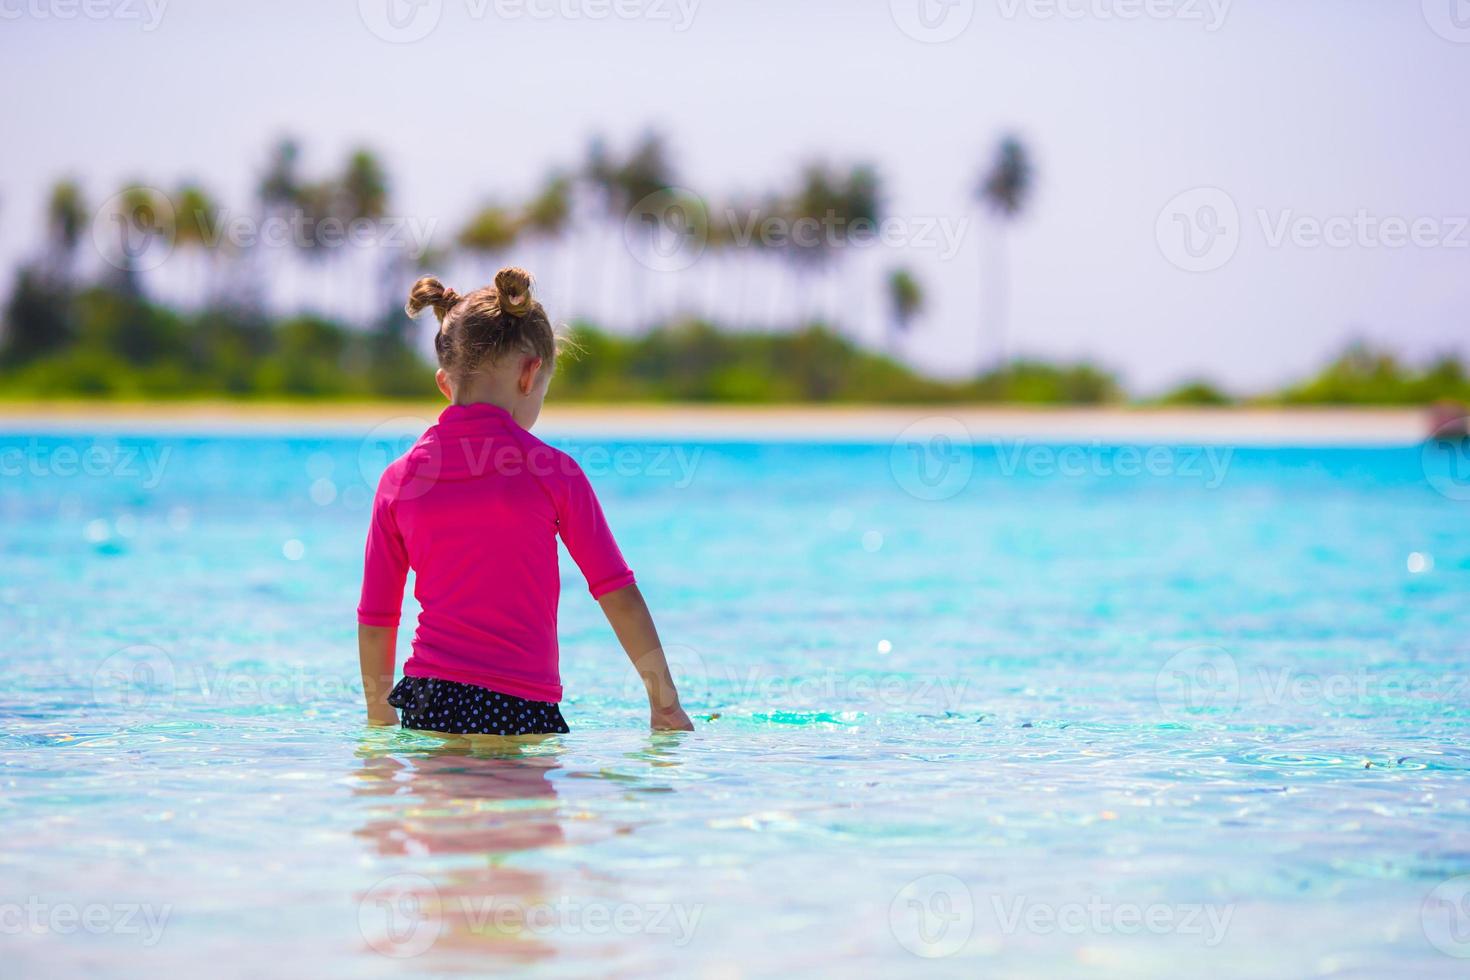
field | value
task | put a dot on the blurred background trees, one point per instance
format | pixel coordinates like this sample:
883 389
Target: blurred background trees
673 294
1004 189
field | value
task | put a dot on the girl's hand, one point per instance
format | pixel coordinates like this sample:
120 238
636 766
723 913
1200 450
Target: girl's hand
382 713
670 719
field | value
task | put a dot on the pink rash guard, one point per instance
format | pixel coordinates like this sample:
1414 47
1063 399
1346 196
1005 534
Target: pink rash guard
474 509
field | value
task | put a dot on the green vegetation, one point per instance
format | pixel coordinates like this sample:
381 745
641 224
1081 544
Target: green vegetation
696 362
1197 393
106 342
1362 376
70 333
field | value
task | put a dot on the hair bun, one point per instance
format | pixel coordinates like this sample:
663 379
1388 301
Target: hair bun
430 292
513 291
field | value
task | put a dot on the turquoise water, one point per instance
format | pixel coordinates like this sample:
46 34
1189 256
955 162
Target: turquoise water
967 710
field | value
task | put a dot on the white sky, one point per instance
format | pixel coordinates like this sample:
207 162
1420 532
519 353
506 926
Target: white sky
1309 109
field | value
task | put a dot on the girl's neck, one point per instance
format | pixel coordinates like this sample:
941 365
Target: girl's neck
483 391
481 395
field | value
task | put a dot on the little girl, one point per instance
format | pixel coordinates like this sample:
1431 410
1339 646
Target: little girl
474 508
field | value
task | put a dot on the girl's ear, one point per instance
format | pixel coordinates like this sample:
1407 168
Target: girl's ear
441 378
530 370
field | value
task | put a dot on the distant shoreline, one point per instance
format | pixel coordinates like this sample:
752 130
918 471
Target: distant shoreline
843 423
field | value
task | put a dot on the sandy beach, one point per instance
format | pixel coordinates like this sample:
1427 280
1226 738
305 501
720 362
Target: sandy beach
850 423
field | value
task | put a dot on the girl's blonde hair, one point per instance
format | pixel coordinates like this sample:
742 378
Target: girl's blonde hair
487 324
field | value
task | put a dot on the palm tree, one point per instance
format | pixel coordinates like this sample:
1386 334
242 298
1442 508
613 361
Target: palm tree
551 209
862 207
196 227
66 217
599 176
277 193
905 301
142 217
37 317
280 185
363 196
364 187
645 173
815 200
546 219
1005 188
491 230
620 186
836 202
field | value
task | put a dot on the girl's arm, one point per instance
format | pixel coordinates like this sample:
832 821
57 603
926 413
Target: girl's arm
631 621
376 650
384 573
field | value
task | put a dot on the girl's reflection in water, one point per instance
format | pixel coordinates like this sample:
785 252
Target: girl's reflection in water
465 808
456 822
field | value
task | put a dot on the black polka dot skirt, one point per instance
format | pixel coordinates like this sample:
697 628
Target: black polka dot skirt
434 705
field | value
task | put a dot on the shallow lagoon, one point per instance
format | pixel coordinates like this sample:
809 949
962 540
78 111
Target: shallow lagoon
1003 709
